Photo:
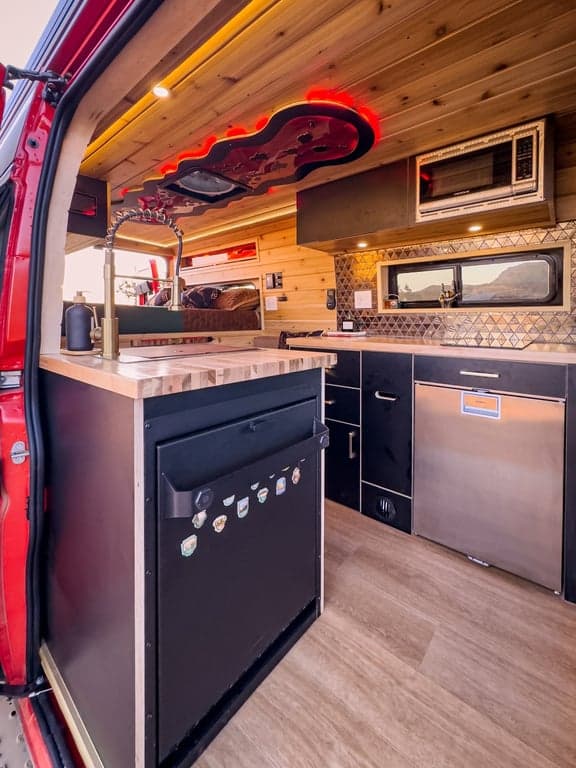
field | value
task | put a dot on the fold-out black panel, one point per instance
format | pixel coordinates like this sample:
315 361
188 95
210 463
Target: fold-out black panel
239 562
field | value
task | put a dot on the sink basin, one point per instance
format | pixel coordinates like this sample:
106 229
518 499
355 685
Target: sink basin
172 351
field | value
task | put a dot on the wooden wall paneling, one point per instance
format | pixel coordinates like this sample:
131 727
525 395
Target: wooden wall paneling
306 274
421 32
219 80
489 71
566 167
190 42
323 43
147 115
503 84
437 72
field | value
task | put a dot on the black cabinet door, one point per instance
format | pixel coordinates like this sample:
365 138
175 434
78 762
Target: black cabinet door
343 464
387 420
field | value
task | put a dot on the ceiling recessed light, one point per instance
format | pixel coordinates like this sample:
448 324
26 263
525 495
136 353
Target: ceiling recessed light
161 91
362 244
474 228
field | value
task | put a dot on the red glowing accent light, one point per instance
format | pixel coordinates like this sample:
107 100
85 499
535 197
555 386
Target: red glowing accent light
314 94
347 100
190 154
425 176
261 123
325 130
236 131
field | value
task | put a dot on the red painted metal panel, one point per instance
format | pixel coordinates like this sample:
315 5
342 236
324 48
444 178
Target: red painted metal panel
2 93
79 42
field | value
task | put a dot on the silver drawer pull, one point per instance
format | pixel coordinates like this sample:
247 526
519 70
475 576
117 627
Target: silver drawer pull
330 402
389 398
480 374
351 452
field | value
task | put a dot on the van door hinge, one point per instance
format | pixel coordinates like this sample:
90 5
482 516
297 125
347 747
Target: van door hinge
54 83
10 379
19 452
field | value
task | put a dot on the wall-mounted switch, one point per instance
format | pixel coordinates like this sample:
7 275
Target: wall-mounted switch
274 280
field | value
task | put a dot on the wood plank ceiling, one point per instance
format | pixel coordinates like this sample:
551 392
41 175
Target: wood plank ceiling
435 72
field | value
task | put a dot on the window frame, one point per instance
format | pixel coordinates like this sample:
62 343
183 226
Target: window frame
552 254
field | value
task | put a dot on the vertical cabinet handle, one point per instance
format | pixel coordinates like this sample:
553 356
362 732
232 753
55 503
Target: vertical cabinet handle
351 452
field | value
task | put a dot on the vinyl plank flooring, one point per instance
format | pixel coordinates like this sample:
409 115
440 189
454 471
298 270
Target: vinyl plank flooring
542 716
421 720
421 660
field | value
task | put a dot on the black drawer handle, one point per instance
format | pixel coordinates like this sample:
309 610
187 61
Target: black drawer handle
482 374
384 396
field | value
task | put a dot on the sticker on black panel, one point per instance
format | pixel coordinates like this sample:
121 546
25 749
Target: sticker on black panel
219 523
242 507
188 546
199 519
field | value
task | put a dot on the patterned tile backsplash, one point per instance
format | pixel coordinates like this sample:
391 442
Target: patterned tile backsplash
503 328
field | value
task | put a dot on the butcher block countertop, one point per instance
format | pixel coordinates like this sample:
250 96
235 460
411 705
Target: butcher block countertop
153 371
534 353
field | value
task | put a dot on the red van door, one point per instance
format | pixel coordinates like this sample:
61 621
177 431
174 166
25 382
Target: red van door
76 34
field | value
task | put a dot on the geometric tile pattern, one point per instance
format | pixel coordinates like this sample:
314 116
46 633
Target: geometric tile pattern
503 328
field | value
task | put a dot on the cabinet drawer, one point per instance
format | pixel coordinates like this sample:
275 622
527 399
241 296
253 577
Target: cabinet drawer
342 462
342 404
387 420
346 372
387 507
523 378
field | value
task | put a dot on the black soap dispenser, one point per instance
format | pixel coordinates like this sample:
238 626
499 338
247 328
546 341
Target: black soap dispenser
78 324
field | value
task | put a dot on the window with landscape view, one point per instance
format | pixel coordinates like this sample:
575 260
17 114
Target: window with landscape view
512 279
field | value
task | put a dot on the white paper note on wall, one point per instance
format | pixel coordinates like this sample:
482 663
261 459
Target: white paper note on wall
271 303
362 299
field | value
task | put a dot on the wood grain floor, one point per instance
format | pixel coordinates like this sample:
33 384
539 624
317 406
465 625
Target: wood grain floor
421 660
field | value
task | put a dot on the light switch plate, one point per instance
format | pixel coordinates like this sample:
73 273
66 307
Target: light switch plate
362 299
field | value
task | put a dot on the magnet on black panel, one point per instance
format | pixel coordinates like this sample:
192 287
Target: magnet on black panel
199 519
204 498
188 546
242 507
219 523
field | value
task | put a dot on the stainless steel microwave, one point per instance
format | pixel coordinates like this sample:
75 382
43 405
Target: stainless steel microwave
498 170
